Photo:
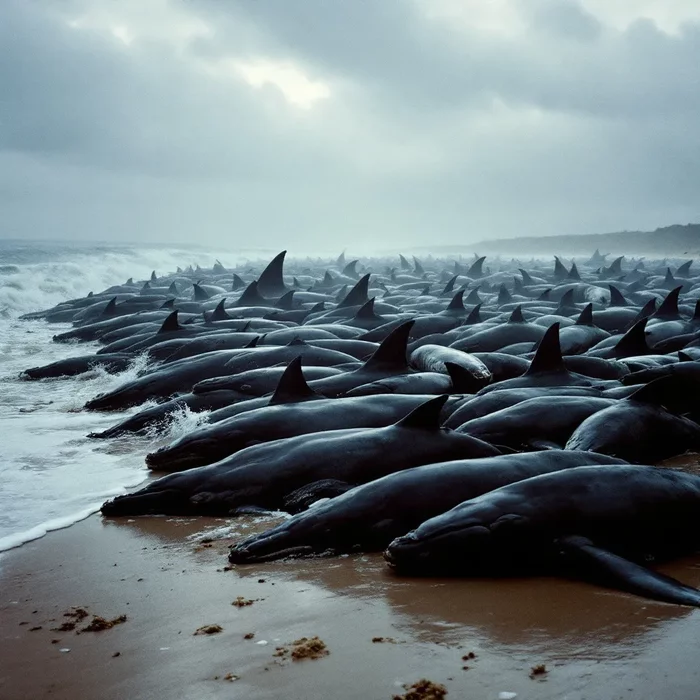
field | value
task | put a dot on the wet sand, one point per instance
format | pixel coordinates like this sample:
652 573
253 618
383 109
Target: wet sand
594 643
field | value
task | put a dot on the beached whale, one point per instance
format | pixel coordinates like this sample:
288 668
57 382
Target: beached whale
601 523
369 517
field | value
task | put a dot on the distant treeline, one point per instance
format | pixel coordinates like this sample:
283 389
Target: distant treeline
677 240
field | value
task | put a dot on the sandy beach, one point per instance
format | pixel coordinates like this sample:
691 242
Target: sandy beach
157 571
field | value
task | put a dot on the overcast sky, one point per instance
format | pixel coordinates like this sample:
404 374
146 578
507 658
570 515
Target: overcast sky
301 123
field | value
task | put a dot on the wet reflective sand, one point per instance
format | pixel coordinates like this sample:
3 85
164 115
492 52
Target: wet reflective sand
594 643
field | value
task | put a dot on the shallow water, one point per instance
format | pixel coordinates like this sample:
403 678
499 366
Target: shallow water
51 474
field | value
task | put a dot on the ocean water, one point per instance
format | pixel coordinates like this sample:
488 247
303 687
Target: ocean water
51 474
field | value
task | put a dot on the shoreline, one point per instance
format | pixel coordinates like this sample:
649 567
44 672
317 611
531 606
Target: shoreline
594 643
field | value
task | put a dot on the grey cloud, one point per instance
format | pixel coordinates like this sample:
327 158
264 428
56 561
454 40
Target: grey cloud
433 131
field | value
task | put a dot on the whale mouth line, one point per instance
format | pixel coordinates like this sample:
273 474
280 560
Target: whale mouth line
243 555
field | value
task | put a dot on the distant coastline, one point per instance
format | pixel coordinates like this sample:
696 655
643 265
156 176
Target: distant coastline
669 241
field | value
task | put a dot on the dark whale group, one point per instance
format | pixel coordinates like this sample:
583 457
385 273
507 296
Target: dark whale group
486 418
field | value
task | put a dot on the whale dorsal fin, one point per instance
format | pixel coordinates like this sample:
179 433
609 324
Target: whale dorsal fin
616 297
504 296
574 273
477 268
169 304
616 266
366 311
392 350
517 315
292 386
321 306
462 380
357 295
684 269
586 316
545 296
350 269
426 416
474 316
170 324
418 268
560 272
473 297
634 341
527 279
567 301
286 301
684 357
669 306
696 313
172 289
270 282
645 312
659 391
254 342
251 296
200 294
548 355
457 303
237 283
405 265
154 277
110 308
219 313
450 285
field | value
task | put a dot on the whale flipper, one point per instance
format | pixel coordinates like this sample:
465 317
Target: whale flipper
301 499
614 571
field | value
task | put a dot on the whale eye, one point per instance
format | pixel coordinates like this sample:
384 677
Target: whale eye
506 523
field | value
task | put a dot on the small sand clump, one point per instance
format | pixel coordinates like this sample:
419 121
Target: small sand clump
423 690
538 671
242 602
208 629
305 648
99 624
